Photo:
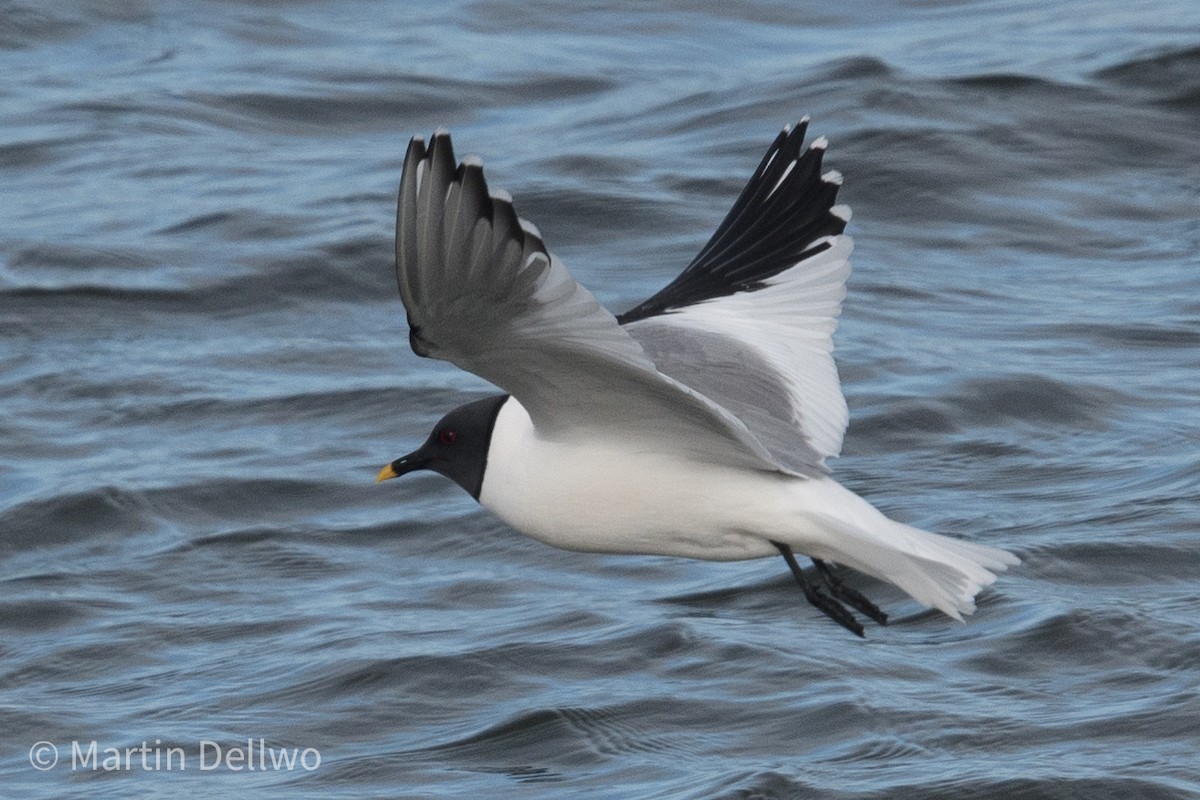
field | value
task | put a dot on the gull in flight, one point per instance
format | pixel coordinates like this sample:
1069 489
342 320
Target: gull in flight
698 423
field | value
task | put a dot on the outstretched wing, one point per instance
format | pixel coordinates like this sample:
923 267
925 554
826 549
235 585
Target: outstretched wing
482 292
749 323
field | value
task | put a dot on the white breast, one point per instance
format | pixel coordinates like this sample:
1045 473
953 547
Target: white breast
614 496
618 496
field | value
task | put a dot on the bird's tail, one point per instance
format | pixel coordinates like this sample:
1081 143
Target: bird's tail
934 570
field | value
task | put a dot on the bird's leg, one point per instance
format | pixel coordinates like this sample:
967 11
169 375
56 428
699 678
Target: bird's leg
847 595
831 608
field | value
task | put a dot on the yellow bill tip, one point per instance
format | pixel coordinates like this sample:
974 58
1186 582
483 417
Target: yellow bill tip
385 473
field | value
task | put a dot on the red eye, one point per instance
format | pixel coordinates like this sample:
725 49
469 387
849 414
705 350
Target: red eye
447 436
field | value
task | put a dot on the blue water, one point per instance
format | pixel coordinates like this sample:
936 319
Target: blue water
203 362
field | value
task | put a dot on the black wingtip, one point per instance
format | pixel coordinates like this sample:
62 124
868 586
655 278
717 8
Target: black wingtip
780 219
441 204
416 150
441 157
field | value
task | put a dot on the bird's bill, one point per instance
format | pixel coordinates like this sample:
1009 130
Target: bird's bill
402 466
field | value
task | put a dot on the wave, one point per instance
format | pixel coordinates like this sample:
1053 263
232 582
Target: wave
45 277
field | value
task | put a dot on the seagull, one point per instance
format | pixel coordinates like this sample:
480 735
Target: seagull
696 424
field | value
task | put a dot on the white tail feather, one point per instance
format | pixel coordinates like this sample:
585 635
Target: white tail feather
934 570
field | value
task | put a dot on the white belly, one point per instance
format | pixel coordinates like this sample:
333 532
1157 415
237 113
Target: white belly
607 497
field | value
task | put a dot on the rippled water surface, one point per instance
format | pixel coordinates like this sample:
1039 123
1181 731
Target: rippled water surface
203 363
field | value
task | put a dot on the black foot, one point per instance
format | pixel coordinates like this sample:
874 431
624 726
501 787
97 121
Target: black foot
847 595
830 607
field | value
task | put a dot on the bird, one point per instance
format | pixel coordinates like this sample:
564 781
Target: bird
696 424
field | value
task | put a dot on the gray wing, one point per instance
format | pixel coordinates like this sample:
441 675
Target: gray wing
749 323
482 292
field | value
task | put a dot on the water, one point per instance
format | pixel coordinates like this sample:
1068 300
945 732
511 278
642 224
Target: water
204 363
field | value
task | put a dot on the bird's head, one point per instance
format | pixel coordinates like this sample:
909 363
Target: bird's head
457 447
